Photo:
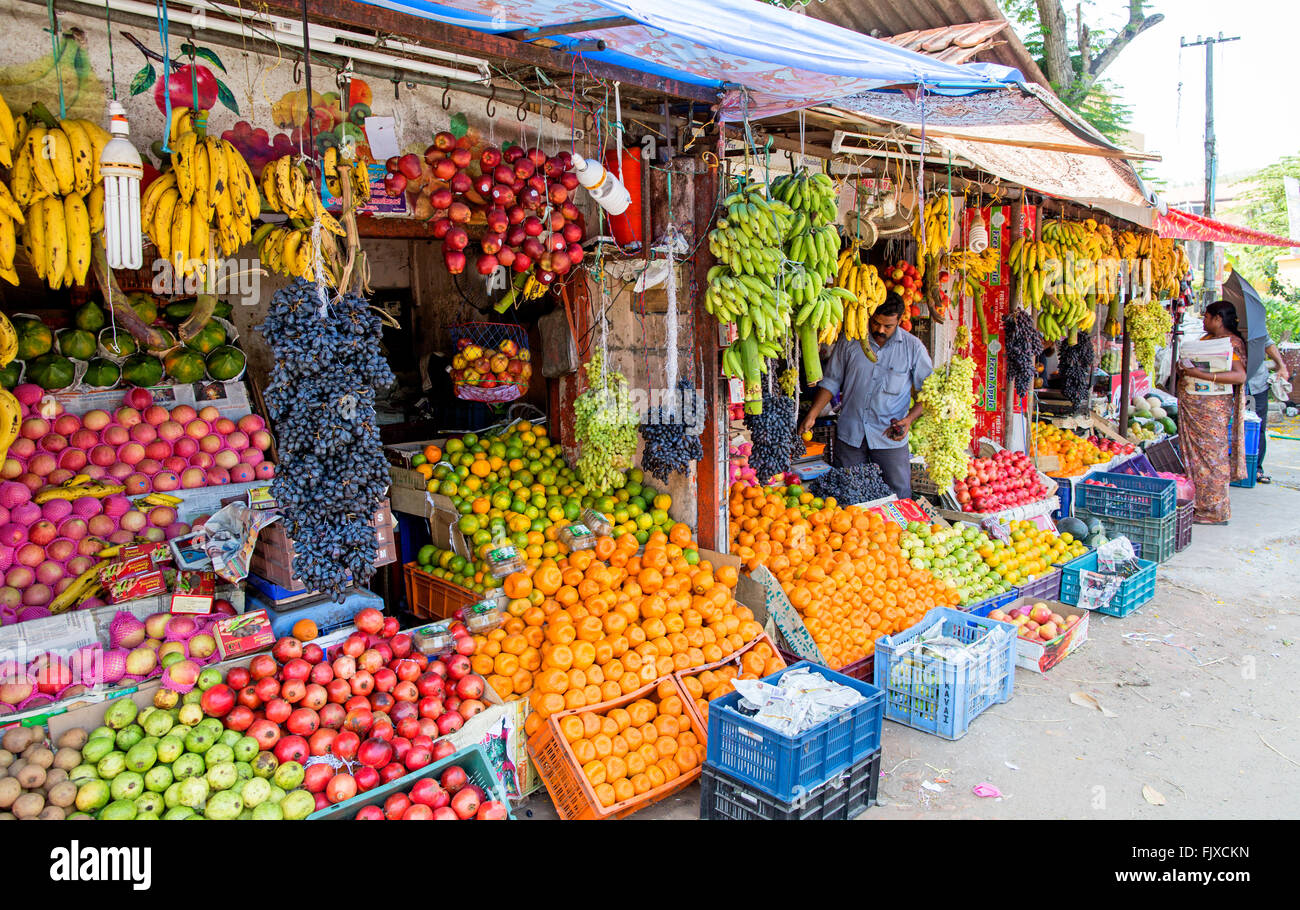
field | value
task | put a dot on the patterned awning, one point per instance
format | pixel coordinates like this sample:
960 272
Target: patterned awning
1181 225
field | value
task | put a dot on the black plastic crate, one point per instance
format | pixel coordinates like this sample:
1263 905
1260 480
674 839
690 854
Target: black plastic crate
843 797
1166 456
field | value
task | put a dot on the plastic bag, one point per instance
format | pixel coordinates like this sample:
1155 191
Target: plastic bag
559 351
1116 557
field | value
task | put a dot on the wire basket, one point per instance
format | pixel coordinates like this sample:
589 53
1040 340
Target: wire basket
492 362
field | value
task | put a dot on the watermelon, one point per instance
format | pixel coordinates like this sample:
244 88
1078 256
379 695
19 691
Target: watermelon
142 370
78 344
1170 427
34 338
209 338
102 374
145 307
225 363
90 318
51 372
117 342
184 366
1072 526
9 375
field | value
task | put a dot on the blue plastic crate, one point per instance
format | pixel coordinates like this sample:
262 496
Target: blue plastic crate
1251 433
1065 495
989 604
934 695
790 766
1132 496
1252 466
1133 593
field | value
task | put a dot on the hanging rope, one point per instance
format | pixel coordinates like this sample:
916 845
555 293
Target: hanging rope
112 67
54 44
164 25
306 61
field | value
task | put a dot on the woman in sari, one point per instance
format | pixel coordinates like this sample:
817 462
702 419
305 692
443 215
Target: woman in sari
1203 421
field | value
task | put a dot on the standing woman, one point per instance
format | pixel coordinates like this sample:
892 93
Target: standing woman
1203 421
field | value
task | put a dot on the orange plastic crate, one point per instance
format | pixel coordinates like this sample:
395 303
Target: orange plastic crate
430 597
733 658
560 771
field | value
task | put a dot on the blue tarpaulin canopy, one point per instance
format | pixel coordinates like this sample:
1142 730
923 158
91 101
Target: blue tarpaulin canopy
767 59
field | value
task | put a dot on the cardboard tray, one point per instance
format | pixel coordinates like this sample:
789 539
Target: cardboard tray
1042 656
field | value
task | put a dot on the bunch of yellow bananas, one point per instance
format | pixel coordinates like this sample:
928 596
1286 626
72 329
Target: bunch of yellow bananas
78 487
867 291
208 188
83 587
55 195
358 175
938 229
11 420
977 266
1063 287
8 341
287 249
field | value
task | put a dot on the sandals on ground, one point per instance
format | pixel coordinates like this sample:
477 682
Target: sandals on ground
1263 478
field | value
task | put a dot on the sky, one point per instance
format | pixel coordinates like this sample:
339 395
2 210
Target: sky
1257 83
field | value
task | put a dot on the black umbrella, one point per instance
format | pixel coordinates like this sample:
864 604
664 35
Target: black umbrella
1251 317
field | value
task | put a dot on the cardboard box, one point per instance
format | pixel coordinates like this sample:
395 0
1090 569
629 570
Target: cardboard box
763 585
244 634
1041 656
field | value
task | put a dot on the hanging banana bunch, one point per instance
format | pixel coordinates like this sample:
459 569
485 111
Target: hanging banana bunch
867 290
358 174
208 188
938 229
54 203
288 248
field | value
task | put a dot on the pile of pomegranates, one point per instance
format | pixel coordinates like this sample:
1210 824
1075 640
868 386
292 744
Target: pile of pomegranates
523 197
366 712
451 796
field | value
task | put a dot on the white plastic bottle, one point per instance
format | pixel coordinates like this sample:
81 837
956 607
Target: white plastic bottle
608 191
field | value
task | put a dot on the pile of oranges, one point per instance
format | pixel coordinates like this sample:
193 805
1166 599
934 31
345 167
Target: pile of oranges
598 624
1075 453
842 569
709 685
628 751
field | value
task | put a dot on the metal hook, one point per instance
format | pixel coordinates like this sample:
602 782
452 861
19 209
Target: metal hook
446 95
397 83
521 112
789 156
555 112
491 103
297 72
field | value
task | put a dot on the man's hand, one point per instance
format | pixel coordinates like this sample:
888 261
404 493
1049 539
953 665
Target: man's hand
898 428
806 424
1284 373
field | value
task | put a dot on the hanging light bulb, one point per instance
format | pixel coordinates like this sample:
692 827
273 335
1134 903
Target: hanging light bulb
122 169
979 236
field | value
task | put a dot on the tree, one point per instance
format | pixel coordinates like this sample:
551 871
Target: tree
1074 59
1263 205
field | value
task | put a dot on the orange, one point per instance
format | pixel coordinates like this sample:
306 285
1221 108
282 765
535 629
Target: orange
305 630
594 772
607 795
583 751
624 790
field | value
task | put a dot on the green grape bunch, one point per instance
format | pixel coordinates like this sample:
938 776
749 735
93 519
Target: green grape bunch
605 427
1149 325
941 435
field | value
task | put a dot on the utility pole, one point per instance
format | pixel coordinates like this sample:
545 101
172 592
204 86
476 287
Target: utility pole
1211 161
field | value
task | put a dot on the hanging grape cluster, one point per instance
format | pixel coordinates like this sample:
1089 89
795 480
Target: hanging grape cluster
849 486
1149 325
669 445
773 435
604 426
321 400
941 435
1076 370
1024 344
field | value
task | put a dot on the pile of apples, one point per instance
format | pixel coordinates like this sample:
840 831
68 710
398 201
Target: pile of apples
143 446
451 797
1036 622
1111 446
1006 480
523 197
363 714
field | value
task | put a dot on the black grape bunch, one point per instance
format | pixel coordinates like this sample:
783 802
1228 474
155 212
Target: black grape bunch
1024 344
672 434
1076 370
850 486
332 475
774 436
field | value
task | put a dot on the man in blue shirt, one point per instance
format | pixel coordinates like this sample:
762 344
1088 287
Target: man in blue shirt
875 396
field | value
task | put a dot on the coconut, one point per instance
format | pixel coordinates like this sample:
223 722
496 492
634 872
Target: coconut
142 661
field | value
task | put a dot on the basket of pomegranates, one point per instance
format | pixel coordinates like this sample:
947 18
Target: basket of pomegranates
492 362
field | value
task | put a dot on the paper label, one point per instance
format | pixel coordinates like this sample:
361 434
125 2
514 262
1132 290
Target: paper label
786 617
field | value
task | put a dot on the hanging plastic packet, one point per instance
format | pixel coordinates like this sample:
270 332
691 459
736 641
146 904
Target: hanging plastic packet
577 536
503 559
597 523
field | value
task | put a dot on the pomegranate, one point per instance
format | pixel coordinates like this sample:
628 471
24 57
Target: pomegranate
293 691
355 645
406 691
471 706
278 710
315 697
238 677
320 742
292 748
390 627
331 715
408 727
321 673
427 792
317 777
449 723
458 666
261 667
442 749
375 752
431 706
217 701
370 660
433 682
492 810
303 722
391 771
362 683
465 803
344 667
341 787
407 670
249 698
395 806
338 690
382 702
266 732
370 814
417 758
286 649
444 814
240 718
359 720
418 813
313 653
470 686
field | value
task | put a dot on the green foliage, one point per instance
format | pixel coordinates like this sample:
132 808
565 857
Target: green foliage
1263 206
